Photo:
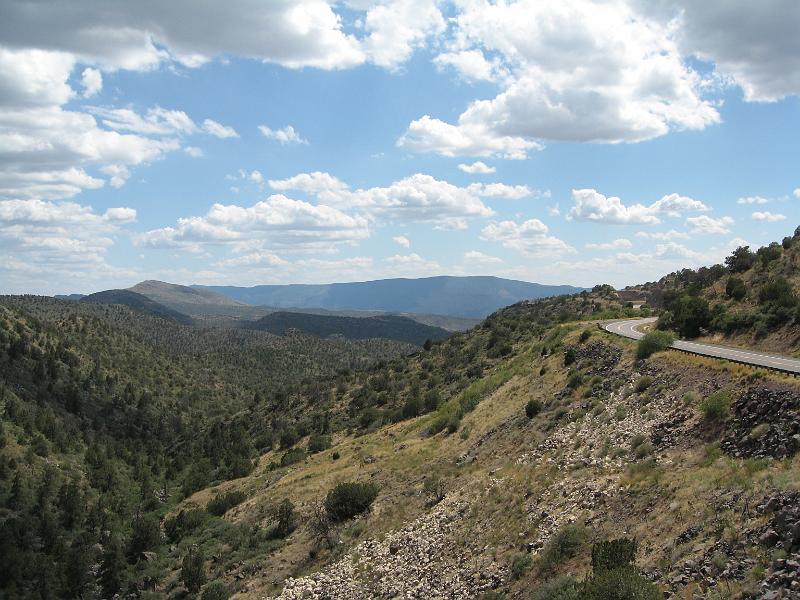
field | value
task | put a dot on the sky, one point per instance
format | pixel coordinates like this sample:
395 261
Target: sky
311 141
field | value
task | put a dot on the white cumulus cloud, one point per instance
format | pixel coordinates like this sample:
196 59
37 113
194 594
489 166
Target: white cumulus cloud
477 168
591 205
709 225
284 135
768 216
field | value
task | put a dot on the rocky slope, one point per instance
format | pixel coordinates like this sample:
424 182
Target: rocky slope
619 449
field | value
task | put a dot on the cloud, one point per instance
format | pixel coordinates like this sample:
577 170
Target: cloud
256 177
477 168
156 121
129 35
663 236
402 241
622 79
193 151
92 82
796 193
219 130
312 183
472 65
395 29
755 45
752 200
706 225
768 217
479 258
277 222
412 265
591 205
418 198
286 135
427 134
502 190
57 241
529 237
618 244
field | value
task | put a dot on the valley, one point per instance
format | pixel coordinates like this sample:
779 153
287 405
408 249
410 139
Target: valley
491 463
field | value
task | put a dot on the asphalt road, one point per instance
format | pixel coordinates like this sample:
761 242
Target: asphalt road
629 328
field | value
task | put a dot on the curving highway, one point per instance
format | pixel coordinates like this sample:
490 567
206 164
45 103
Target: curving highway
629 328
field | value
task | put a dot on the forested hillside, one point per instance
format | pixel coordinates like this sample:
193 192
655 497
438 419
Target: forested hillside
138 302
391 327
753 298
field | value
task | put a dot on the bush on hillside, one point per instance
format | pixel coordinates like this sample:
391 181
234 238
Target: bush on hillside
221 504
644 382
318 442
569 356
520 564
623 583
286 519
184 522
193 571
349 499
652 342
564 544
563 588
533 408
735 288
740 259
216 590
716 407
612 554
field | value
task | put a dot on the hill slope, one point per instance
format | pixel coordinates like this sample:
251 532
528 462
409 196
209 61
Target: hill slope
463 296
391 327
752 300
137 302
173 295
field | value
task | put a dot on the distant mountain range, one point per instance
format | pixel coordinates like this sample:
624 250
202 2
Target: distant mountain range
137 302
401 329
171 293
461 296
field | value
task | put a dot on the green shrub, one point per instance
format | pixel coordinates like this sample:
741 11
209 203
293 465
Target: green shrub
193 571
612 554
184 522
564 545
563 588
221 504
585 335
652 342
318 443
569 356
434 489
735 288
575 380
349 499
216 590
533 408
644 382
286 519
623 583
716 407
293 456
520 564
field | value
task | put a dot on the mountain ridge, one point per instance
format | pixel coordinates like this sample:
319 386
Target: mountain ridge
394 327
473 296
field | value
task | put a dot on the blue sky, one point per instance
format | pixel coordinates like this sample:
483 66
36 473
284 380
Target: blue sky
308 141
